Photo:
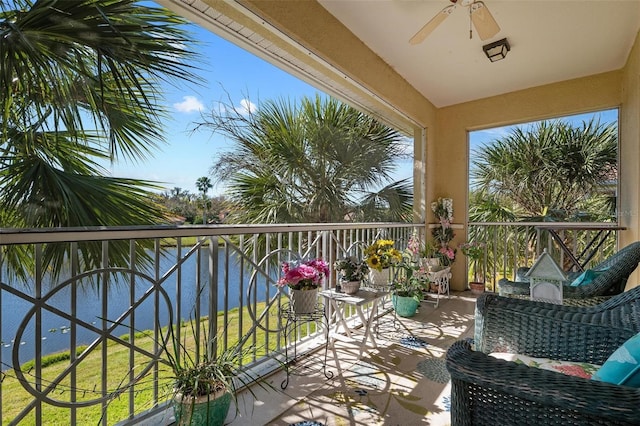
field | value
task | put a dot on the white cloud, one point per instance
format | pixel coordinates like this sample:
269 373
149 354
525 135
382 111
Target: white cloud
189 104
246 107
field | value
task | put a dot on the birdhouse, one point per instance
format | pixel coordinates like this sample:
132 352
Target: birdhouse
546 279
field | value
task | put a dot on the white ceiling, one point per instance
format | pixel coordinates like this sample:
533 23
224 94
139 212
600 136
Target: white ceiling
551 40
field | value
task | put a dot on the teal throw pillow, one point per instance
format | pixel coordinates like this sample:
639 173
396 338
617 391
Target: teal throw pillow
623 366
586 277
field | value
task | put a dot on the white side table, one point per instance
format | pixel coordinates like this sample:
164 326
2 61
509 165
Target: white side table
339 301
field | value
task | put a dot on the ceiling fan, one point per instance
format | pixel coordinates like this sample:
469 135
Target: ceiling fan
479 15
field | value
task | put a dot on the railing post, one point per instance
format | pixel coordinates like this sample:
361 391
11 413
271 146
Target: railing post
213 296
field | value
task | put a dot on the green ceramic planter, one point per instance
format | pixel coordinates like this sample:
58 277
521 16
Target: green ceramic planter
204 411
405 306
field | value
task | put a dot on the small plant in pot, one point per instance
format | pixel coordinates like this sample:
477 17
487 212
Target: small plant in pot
351 271
304 278
474 250
205 378
429 255
407 287
380 256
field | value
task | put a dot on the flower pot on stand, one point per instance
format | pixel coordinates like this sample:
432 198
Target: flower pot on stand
303 301
350 287
476 287
405 306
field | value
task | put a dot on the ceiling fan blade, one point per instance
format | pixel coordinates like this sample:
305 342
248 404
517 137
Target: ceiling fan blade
483 21
431 25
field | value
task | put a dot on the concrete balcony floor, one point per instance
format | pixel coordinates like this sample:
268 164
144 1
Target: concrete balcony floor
402 381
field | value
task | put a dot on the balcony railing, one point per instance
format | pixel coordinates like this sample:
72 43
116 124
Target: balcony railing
87 317
513 245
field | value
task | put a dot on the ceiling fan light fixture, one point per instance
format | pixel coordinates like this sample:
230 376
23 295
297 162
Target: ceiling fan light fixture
497 50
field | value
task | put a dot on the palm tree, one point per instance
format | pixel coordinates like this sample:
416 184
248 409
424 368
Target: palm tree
81 84
204 185
316 161
553 171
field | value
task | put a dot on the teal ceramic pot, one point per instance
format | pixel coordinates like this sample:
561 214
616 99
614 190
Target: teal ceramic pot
206 410
405 306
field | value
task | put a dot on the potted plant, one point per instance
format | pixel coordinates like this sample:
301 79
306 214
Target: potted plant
475 252
443 233
380 256
407 287
351 271
303 278
205 378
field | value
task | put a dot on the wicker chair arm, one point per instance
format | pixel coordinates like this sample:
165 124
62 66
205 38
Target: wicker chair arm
485 389
612 281
506 287
553 331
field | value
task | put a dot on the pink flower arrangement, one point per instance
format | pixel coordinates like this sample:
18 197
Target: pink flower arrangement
448 252
303 275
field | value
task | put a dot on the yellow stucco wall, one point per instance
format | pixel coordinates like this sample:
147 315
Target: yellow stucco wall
629 123
450 174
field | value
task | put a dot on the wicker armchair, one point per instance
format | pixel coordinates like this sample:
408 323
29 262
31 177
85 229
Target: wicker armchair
611 282
486 390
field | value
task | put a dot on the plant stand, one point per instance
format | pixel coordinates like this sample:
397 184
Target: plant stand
293 322
441 278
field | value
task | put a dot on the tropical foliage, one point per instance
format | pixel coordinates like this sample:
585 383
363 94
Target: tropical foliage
310 162
550 171
80 87
546 171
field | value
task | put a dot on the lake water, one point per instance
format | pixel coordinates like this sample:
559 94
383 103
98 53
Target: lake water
17 315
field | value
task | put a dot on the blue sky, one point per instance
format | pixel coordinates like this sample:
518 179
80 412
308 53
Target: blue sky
482 137
228 71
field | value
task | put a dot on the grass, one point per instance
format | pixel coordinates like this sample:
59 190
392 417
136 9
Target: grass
186 242
15 398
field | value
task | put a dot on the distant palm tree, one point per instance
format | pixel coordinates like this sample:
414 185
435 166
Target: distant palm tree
204 185
80 84
316 161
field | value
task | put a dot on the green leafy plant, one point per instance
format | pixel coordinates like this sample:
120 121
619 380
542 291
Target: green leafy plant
200 367
474 250
410 280
351 269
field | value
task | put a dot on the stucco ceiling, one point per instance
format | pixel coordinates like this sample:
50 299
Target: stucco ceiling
550 40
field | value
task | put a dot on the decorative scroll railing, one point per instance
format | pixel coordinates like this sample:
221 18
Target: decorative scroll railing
80 343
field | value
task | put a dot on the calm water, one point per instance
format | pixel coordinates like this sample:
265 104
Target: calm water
17 315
